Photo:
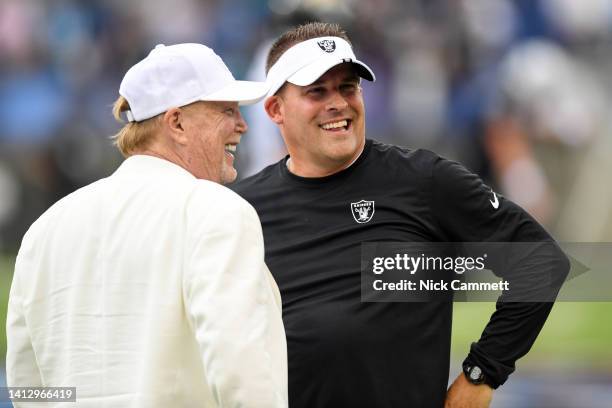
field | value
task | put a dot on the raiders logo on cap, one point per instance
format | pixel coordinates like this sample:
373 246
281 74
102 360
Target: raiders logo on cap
327 45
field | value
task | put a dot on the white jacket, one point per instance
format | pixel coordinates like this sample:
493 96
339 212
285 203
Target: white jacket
148 289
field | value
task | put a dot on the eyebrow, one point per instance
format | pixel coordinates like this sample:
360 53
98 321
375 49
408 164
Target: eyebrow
348 78
227 104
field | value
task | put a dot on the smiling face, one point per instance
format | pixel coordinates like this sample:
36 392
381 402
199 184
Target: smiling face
323 124
212 130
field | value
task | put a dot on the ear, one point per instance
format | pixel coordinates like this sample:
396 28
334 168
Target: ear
274 108
174 121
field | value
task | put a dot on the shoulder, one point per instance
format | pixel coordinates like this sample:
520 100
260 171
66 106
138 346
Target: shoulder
421 167
452 174
213 204
74 200
264 179
402 159
84 197
214 195
424 161
215 213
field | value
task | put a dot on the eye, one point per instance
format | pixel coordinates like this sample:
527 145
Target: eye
229 111
318 90
349 88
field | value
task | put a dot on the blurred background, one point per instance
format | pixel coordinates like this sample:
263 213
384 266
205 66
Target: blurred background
517 90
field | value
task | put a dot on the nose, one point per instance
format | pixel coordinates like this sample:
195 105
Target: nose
241 125
336 102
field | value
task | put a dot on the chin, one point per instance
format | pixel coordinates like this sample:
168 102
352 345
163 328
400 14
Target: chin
228 176
346 148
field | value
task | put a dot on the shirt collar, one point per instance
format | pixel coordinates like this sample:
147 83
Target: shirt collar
151 165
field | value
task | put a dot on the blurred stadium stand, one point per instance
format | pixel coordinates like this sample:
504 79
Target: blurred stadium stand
516 90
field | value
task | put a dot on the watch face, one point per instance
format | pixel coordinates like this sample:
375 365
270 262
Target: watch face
475 373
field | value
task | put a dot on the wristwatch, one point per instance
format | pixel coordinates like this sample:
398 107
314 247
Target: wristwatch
473 373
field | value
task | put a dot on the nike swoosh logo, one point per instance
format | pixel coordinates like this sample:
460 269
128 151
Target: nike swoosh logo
495 203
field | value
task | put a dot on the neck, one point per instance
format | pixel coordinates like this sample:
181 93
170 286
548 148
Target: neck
164 154
313 172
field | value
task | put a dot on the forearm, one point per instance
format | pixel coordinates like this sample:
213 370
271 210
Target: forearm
514 326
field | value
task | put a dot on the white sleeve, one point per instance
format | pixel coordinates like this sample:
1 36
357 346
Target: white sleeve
21 365
233 310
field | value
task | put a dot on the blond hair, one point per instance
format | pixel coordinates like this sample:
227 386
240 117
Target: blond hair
133 136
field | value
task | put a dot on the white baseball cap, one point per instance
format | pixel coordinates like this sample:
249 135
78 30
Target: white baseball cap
177 75
306 61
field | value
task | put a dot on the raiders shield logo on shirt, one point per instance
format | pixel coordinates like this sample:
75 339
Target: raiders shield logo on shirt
327 45
363 211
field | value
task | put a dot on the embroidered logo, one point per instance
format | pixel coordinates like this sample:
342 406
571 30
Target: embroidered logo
362 211
327 45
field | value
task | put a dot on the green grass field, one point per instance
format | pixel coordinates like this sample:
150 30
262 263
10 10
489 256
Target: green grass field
6 274
576 334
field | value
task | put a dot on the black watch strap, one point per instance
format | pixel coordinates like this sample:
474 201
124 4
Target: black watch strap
473 373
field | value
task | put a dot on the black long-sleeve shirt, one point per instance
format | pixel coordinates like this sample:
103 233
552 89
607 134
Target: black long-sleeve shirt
345 353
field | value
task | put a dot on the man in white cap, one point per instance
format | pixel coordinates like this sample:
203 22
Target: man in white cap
336 190
149 288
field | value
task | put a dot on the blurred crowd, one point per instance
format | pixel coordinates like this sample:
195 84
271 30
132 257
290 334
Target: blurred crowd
515 89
